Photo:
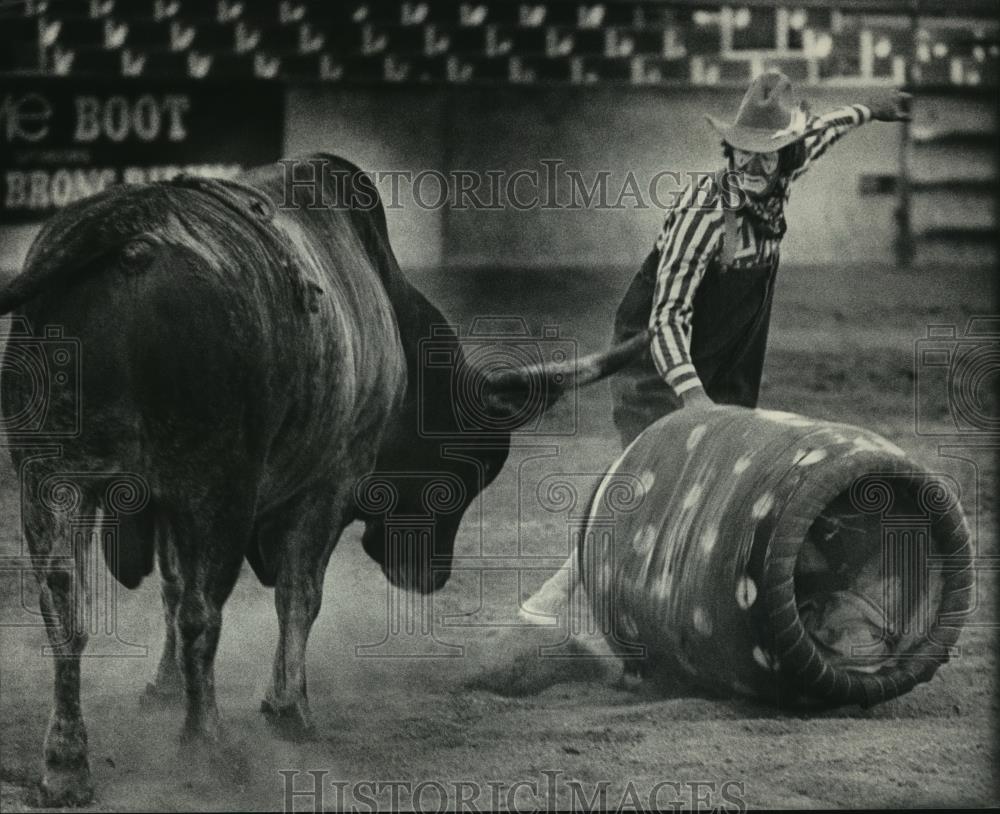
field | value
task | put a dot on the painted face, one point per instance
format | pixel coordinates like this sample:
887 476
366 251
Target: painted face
758 171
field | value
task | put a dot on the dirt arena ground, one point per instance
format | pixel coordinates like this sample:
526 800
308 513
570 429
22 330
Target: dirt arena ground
842 348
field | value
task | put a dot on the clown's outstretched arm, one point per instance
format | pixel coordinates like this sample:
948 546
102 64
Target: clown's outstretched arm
887 106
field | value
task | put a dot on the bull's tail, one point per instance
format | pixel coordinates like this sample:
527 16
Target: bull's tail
16 293
73 239
35 279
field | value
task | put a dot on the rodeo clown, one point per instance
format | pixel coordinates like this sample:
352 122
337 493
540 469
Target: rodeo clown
706 288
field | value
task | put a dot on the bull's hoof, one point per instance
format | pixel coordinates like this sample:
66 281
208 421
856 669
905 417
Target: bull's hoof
197 742
158 697
210 760
201 732
290 723
61 788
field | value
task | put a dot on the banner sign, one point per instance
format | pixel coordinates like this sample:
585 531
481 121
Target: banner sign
65 139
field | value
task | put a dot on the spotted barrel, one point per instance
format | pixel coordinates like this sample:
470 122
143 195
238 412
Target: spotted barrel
774 556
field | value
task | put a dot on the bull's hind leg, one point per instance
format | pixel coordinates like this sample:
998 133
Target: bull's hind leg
206 546
167 688
60 549
307 538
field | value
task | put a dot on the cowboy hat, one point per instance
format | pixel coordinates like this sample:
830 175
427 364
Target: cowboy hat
768 118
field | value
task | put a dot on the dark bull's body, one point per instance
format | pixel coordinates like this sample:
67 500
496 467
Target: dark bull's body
251 367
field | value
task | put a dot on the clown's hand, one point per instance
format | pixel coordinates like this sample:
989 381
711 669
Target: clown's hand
889 105
696 397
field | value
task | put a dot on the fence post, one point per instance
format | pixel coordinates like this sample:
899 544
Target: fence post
904 247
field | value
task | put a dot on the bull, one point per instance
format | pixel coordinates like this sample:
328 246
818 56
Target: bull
252 364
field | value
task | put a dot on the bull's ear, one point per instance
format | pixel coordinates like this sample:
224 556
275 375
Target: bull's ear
531 389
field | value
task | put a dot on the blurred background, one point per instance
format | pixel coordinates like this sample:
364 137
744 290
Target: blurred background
99 91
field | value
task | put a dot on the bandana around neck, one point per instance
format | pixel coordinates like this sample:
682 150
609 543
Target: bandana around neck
768 214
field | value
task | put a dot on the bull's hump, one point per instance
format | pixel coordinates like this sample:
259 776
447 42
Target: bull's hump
345 362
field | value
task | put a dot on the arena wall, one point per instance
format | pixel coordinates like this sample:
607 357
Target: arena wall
615 130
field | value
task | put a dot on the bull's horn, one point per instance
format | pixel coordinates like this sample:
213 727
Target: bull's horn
507 390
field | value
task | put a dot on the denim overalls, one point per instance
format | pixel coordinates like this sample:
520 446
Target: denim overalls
731 314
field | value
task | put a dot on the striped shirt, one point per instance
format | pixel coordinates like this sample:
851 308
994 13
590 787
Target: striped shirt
690 240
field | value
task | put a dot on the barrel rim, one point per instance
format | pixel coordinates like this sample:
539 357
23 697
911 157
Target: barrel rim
799 658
